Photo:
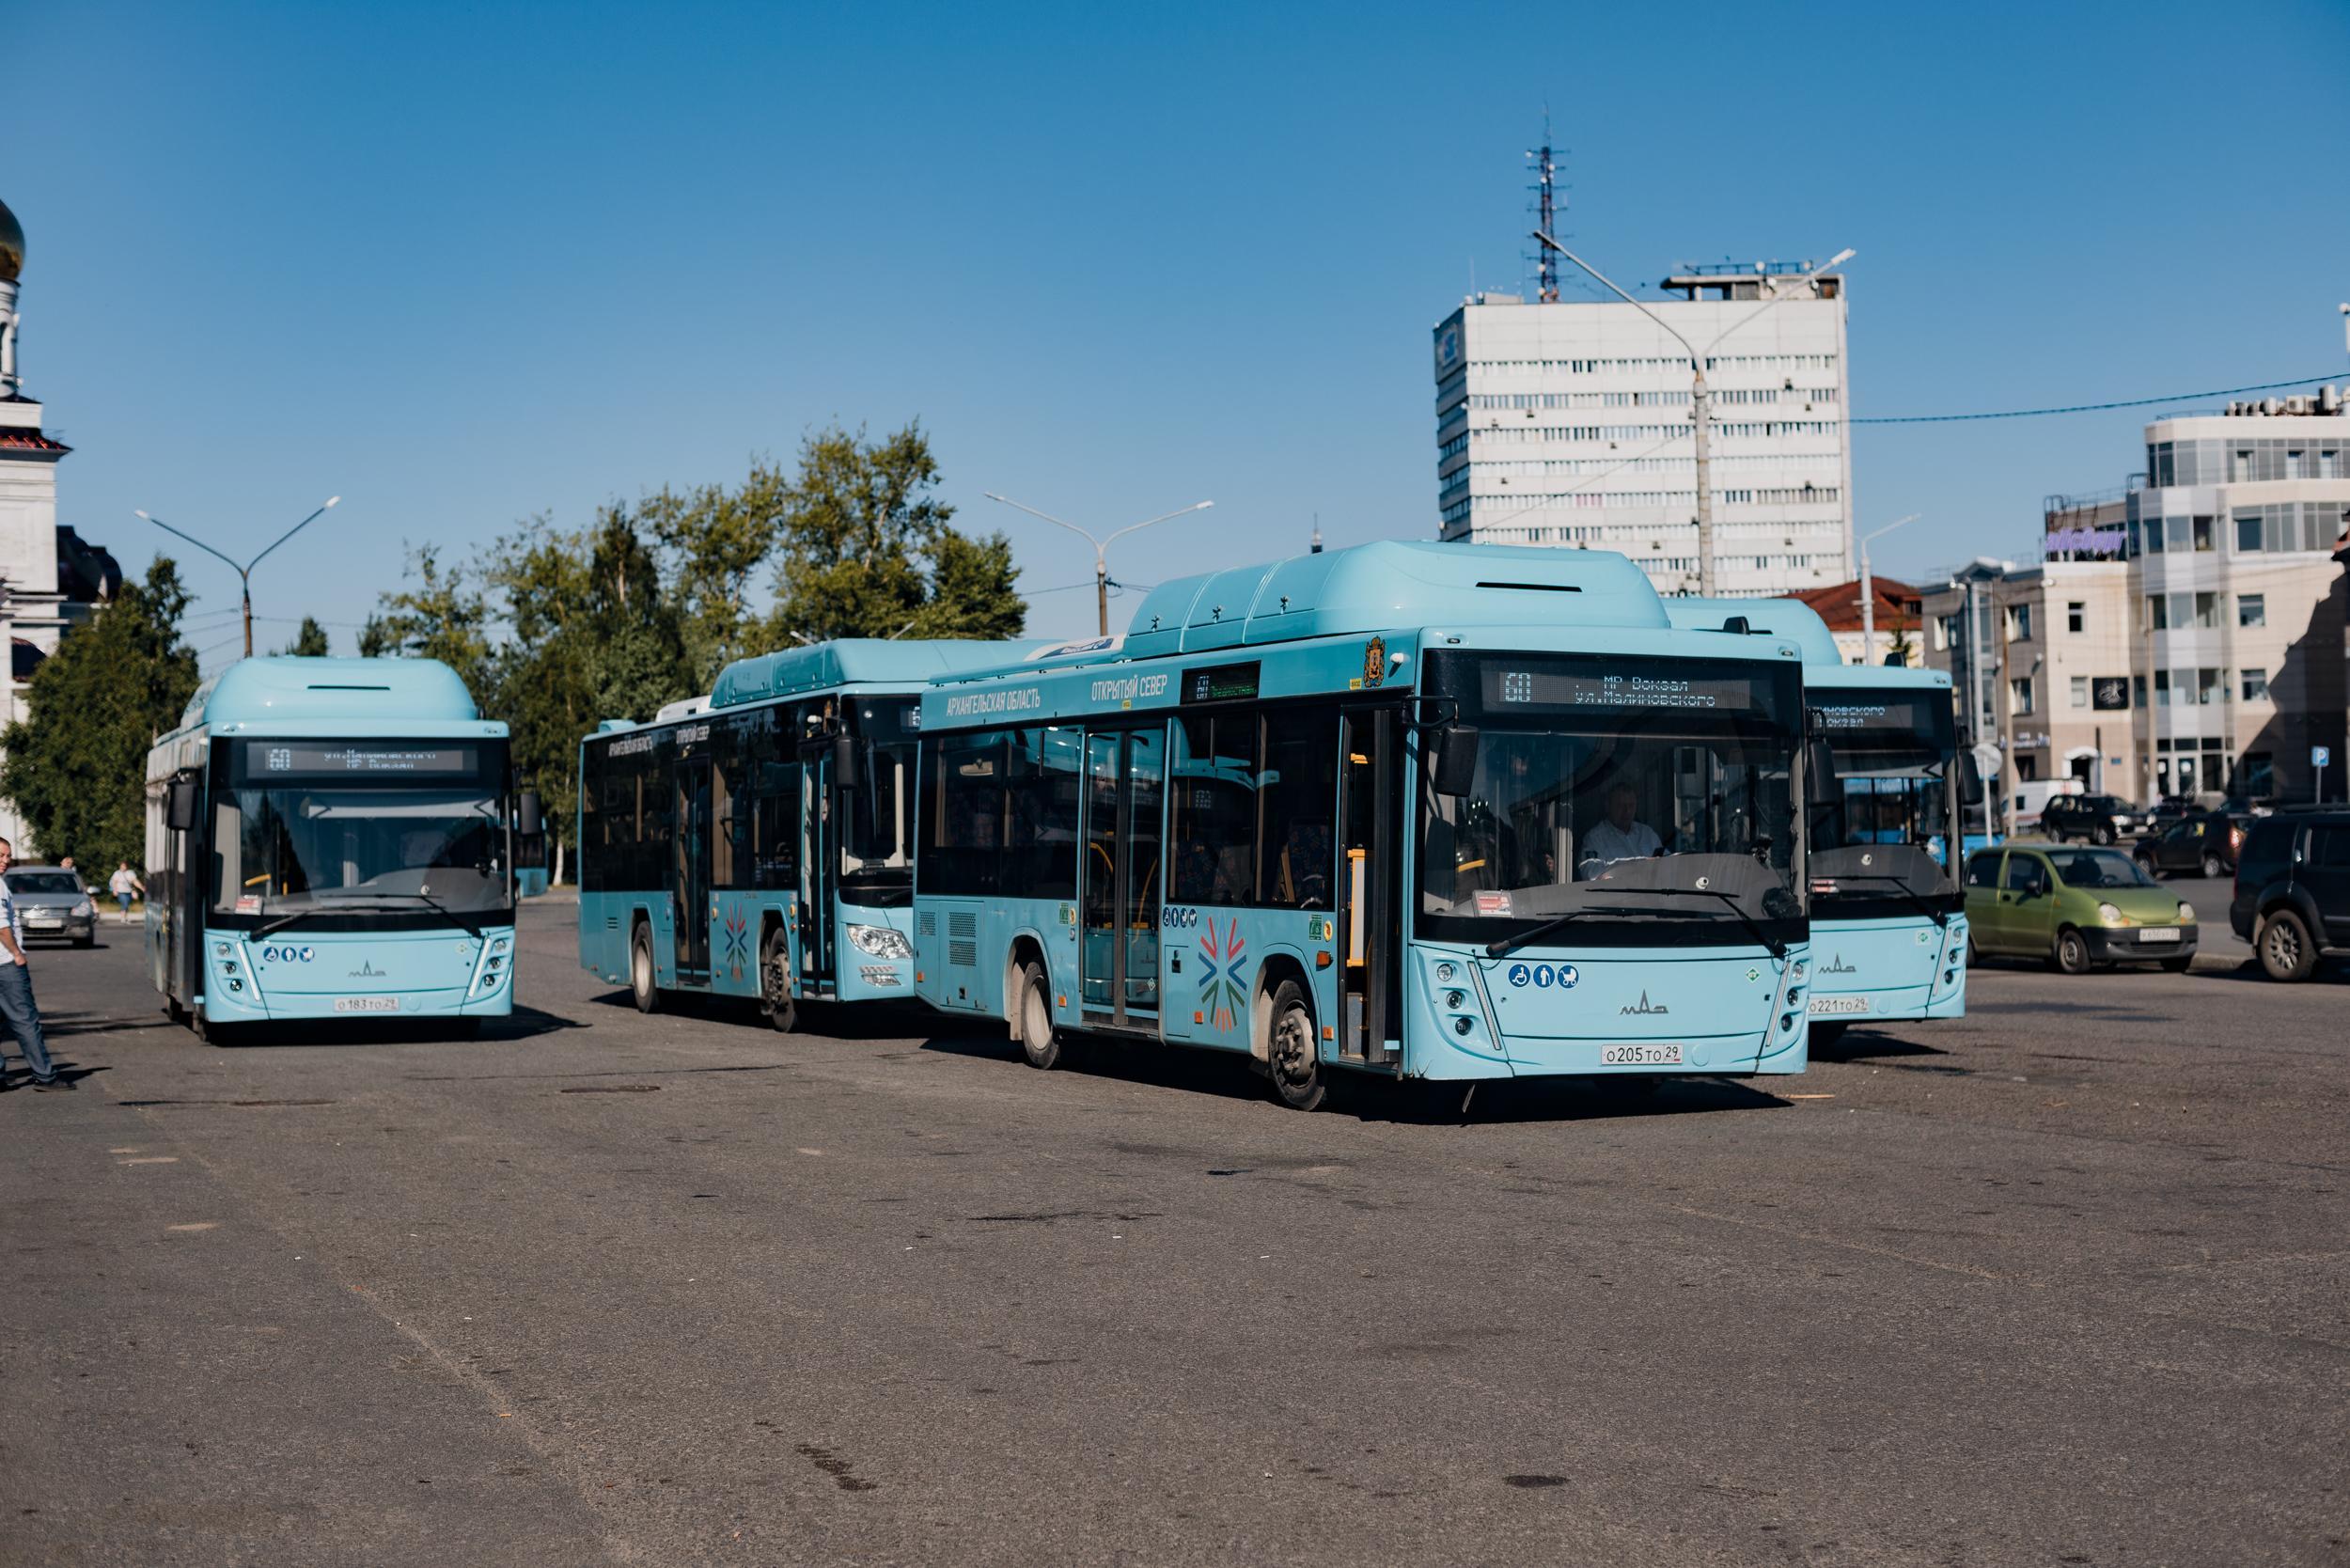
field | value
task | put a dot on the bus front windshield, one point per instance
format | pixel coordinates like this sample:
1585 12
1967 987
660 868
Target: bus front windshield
1880 829
877 825
367 830
1614 801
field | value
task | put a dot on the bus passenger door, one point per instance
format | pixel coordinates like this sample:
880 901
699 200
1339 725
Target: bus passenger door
1118 892
819 863
1370 902
690 879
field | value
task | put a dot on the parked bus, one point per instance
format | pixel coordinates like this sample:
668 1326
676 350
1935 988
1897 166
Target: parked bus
759 843
333 837
1414 810
1888 919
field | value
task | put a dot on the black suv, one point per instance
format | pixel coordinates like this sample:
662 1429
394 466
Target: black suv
2093 819
2292 897
2206 844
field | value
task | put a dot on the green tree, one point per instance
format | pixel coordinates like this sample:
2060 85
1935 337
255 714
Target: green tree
868 551
443 616
309 642
76 765
715 540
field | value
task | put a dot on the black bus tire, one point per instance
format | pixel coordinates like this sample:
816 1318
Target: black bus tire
1292 1061
1828 1033
1040 1041
642 977
209 1032
774 982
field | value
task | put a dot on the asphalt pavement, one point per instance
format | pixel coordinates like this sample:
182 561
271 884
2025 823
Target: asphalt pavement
2067 1281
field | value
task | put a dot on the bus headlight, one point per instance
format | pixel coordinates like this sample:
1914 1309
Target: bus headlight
2109 915
879 941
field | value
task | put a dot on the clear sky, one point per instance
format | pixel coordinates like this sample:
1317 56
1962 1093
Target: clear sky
461 264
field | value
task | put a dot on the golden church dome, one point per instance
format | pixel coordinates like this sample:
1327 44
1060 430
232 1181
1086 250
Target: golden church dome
11 245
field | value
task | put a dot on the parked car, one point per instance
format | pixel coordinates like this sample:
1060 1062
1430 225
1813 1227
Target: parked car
2074 907
2292 897
54 902
2205 844
2092 819
2031 797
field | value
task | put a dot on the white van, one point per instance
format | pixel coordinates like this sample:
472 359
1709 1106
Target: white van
2029 795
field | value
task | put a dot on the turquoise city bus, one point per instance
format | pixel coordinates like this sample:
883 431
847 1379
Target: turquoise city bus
1888 919
760 843
1416 810
333 838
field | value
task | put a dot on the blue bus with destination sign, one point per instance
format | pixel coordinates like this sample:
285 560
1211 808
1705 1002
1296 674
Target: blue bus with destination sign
1888 918
759 842
1416 810
333 839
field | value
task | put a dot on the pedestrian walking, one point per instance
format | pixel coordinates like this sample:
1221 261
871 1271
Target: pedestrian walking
17 1006
122 884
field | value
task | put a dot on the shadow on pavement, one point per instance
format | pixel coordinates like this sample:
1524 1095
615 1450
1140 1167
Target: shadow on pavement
830 1020
1868 1045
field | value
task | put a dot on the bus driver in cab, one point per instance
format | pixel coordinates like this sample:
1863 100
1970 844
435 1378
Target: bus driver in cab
1620 836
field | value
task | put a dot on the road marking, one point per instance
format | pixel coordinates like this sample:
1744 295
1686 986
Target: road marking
131 1150
199 1224
807 1151
1807 1096
152 1159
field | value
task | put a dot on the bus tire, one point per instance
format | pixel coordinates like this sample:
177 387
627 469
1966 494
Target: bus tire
209 1032
1828 1033
774 982
642 976
1291 1061
2285 949
1040 1041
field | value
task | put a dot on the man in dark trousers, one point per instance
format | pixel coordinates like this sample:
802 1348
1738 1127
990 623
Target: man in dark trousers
17 1006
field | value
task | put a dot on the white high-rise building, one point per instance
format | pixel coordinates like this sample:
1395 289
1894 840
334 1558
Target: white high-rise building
1570 424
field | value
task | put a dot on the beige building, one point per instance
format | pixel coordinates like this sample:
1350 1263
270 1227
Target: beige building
2204 653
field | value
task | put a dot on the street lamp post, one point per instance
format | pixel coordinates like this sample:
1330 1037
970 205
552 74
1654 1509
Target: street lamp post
1100 546
1700 410
1868 591
244 573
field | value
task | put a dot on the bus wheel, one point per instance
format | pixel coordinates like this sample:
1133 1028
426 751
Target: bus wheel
1296 1066
1040 1042
1828 1034
774 982
641 972
209 1032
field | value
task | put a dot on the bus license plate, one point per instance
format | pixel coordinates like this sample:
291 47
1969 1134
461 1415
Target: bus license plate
1829 1006
1666 1055
2159 933
367 1004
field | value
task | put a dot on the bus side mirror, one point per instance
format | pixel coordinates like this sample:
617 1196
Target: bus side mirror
1969 779
1456 760
846 775
1819 766
179 804
529 815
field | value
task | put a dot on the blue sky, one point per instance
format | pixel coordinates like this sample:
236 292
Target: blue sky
462 264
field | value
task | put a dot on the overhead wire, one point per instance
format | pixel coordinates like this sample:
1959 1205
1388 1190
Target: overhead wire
2093 408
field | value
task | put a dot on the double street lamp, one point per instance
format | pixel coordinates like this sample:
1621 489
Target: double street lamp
244 573
1700 410
1100 546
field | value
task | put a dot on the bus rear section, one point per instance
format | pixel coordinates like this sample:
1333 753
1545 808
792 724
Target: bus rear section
346 857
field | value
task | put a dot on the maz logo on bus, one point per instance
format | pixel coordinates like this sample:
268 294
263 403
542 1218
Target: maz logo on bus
1541 977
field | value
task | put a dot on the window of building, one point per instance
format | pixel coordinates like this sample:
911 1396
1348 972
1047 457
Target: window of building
2080 691
2019 691
2162 688
2019 624
2138 691
2251 609
2207 611
2203 533
2076 616
2247 533
2211 686
2157 613
2181 611
2179 532
2256 685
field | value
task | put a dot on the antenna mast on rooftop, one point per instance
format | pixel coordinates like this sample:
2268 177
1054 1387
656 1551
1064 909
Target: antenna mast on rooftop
1546 207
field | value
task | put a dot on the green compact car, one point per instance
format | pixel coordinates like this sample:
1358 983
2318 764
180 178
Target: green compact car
2075 907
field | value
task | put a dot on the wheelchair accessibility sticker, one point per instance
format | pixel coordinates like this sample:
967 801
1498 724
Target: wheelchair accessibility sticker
1541 977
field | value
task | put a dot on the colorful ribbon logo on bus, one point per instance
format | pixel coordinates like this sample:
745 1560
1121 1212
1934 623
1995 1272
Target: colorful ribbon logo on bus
737 933
1221 994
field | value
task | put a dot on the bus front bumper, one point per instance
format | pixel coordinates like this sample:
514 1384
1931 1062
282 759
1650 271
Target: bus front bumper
359 975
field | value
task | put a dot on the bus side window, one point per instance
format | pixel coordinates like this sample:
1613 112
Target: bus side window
1214 788
1299 798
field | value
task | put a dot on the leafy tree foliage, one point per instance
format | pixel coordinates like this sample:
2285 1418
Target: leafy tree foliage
77 765
443 616
309 642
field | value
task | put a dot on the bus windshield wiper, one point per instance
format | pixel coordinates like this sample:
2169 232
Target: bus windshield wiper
269 927
1506 944
1901 889
1778 948
471 924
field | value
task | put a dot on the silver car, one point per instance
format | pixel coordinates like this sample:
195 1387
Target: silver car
54 904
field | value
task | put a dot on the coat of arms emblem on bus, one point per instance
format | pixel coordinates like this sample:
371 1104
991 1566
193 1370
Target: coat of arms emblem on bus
1375 661
1220 994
